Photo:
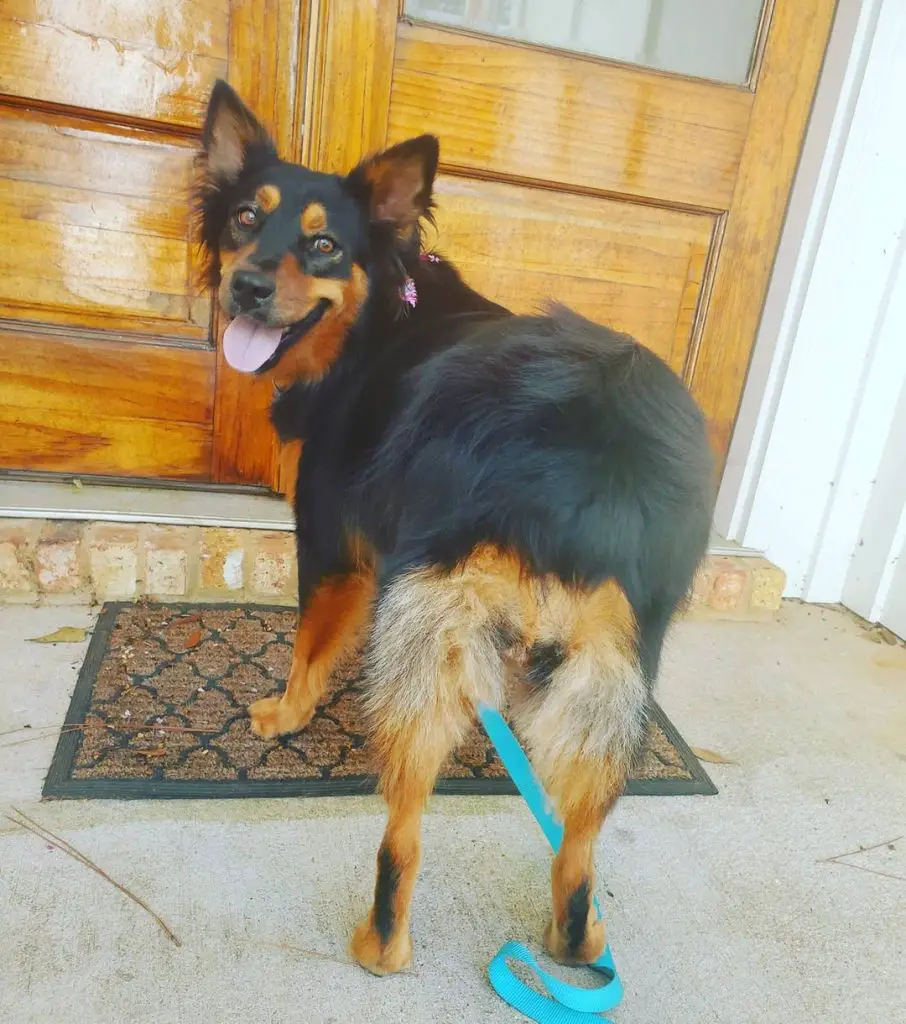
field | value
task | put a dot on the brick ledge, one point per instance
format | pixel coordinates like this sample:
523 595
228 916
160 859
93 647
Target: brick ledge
54 562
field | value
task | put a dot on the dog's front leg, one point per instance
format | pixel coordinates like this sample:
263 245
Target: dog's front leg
332 612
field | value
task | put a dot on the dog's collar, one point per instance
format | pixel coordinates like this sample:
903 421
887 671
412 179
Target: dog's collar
408 292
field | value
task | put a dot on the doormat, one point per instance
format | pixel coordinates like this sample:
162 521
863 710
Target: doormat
159 711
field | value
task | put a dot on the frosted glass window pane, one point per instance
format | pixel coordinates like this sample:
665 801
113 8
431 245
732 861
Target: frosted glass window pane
708 38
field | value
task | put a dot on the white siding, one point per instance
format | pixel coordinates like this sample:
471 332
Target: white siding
822 490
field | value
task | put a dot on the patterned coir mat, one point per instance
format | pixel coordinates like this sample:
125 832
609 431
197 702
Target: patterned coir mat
159 710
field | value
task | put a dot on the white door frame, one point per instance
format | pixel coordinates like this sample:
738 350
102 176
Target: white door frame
815 476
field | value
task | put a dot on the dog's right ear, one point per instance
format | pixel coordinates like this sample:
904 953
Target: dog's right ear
231 132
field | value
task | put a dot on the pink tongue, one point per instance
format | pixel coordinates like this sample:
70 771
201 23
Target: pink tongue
248 343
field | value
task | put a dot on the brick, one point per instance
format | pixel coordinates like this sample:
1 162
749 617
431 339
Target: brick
728 590
16 575
57 562
273 564
768 584
221 562
702 586
17 557
166 573
167 560
113 561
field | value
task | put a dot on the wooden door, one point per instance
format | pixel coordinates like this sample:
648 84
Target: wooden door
645 198
106 360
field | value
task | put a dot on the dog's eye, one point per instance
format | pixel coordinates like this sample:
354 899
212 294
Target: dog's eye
324 245
246 216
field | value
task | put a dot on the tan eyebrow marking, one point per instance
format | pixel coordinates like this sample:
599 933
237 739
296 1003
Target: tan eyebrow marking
268 198
314 219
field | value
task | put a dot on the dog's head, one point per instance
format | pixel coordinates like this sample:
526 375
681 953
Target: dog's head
294 253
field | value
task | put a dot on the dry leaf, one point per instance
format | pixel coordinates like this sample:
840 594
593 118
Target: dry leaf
152 752
187 620
711 756
63 635
192 639
879 634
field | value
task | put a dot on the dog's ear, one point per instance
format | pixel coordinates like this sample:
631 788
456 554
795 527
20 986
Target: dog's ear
231 139
397 183
231 131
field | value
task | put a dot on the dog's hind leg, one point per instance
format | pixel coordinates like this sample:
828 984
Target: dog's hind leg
581 715
431 659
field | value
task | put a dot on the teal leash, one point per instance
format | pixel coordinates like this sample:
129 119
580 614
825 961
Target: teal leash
564 1004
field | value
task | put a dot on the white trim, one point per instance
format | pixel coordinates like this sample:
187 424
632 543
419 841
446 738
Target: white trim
823 490
39 499
873 424
832 112
890 603
875 584
833 413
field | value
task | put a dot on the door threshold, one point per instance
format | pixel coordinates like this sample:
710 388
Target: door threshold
178 506
166 506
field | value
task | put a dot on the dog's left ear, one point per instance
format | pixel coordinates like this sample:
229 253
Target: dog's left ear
231 132
398 182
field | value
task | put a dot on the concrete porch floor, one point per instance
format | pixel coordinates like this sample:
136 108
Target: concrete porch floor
723 909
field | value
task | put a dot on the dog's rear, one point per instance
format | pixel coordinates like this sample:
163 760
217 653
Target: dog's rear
583 459
564 660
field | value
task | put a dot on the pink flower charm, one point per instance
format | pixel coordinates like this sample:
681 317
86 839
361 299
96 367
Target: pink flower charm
408 293
430 257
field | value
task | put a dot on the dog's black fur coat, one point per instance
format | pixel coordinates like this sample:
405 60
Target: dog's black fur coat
550 436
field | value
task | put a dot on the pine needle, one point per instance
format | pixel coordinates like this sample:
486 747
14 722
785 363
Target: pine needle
30 825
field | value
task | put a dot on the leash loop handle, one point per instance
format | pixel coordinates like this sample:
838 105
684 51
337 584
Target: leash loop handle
564 1004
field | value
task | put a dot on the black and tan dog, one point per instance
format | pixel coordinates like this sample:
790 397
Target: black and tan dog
509 508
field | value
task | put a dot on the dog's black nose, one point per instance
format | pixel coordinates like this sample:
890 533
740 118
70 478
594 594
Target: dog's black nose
251 289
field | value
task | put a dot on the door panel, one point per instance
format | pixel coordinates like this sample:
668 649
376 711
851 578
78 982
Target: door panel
790 65
649 201
79 406
93 233
637 268
707 38
150 59
107 350
527 113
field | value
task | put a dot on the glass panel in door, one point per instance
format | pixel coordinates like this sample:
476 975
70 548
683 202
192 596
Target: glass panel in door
712 39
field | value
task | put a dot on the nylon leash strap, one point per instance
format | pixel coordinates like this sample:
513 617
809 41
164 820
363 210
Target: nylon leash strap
564 1003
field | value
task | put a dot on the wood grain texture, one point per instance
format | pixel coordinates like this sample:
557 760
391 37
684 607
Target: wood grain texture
265 68
74 407
526 113
154 60
354 66
792 60
265 47
97 212
634 267
95 228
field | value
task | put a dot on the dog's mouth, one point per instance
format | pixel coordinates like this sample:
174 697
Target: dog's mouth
251 346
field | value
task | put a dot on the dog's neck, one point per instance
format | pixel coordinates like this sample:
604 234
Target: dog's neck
385 322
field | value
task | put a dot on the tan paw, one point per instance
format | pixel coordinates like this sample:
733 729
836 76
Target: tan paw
591 947
273 717
366 948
